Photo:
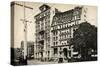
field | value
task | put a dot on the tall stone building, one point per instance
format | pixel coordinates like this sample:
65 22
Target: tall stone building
63 26
43 32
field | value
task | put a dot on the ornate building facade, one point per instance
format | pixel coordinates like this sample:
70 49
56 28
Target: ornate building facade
63 26
43 32
54 29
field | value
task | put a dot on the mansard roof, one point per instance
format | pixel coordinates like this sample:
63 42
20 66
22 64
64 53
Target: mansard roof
63 13
67 12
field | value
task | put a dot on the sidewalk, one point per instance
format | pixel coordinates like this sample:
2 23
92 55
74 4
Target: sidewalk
36 62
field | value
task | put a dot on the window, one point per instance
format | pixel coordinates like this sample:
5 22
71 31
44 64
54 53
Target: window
56 43
60 48
55 50
48 53
69 53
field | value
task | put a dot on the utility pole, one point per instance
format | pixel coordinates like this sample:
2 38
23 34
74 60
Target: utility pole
25 34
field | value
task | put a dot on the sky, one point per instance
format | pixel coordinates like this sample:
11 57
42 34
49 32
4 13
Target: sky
19 26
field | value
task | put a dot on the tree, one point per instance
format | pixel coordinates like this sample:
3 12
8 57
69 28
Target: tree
85 39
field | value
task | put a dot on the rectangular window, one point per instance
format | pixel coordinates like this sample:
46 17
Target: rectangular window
54 43
69 53
55 50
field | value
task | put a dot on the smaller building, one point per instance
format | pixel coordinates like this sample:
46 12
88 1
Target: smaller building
18 53
43 22
30 50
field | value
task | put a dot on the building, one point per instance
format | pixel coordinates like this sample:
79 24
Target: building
63 26
30 50
18 54
43 32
